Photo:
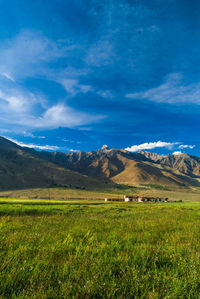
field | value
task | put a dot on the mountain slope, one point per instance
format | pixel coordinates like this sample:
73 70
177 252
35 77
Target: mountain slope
122 167
24 168
184 163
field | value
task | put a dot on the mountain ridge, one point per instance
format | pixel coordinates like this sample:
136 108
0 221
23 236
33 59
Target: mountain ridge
185 163
22 167
121 166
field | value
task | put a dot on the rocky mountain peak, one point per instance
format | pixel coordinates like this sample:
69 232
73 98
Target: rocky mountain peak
151 156
105 148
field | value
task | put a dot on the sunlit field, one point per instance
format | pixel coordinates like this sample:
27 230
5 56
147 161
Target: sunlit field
92 249
173 193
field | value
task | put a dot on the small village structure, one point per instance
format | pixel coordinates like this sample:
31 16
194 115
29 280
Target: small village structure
128 198
144 199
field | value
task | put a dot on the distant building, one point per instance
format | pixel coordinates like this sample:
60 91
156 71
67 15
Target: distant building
128 198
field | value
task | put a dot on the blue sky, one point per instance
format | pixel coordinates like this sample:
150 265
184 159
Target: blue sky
75 75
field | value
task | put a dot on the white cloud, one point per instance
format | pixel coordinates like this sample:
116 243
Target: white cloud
7 76
73 87
105 94
29 53
159 144
31 135
151 145
69 85
62 115
26 55
31 145
17 100
182 146
18 106
16 103
173 90
177 153
40 147
28 134
70 141
59 115
29 111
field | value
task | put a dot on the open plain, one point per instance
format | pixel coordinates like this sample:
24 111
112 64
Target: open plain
92 249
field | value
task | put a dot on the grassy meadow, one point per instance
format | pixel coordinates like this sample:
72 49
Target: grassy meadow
92 249
60 193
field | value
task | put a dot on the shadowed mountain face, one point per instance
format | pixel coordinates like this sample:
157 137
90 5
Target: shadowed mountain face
24 168
123 167
103 163
184 163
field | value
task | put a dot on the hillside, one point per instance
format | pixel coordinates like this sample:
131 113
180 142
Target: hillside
123 167
26 168
184 163
23 168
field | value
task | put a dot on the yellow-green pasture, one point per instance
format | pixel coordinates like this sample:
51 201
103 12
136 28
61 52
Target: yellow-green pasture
173 193
92 249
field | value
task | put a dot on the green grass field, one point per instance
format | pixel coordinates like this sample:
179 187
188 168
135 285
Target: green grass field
92 249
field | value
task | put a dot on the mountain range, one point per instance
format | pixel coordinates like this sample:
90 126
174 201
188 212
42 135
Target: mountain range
22 167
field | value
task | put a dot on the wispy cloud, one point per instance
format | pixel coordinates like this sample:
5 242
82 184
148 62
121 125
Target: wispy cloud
107 94
182 146
62 115
17 101
26 54
101 53
41 147
31 135
173 90
7 76
159 144
72 86
53 117
151 145
66 75
32 145
29 110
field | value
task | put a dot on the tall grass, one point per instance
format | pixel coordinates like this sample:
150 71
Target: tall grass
99 250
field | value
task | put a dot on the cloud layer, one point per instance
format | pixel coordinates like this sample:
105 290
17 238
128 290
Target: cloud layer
173 91
36 146
176 153
116 71
29 55
151 145
160 144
